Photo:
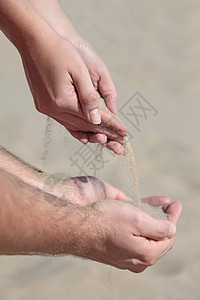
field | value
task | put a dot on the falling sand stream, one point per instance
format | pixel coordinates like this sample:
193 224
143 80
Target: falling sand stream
129 176
127 169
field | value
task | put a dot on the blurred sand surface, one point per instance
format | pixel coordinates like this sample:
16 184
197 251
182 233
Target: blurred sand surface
152 47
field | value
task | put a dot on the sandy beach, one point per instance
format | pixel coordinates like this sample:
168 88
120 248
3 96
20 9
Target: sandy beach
152 50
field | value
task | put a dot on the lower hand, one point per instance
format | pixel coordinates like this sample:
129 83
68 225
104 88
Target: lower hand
128 238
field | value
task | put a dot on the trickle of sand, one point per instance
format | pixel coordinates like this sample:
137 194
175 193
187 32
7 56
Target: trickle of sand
128 170
47 140
129 176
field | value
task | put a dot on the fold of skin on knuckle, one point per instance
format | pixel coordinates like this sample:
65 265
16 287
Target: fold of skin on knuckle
149 258
60 103
89 98
109 94
135 265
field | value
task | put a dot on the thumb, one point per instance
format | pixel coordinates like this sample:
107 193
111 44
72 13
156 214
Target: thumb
87 95
156 229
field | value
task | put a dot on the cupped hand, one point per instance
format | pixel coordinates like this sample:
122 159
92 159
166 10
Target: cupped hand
128 238
131 239
62 89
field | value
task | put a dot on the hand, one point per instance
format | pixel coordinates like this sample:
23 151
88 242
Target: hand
83 190
98 73
130 238
100 77
59 81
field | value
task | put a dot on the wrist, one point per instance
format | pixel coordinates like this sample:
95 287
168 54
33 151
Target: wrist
74 231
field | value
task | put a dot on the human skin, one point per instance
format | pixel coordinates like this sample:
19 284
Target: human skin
82 190
61 79
108 231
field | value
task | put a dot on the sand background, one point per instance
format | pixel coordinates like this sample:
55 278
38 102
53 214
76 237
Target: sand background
152 47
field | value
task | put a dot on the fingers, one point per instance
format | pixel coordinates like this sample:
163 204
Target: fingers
173 212
82 137
156 200
108 91
88 137
87 95
152 228
153 250
114 193
112 130
116 147
97 138
112 123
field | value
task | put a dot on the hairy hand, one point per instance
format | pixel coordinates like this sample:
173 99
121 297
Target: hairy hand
128 238
122 235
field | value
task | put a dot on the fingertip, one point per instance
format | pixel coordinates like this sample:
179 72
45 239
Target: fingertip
84 141
97 138
116 147
172 231
173 212
82 137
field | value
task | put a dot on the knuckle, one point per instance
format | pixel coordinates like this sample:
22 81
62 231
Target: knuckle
149 260
60 103
111 94
89 98
138 220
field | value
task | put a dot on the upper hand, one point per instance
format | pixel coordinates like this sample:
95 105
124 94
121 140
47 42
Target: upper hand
62 89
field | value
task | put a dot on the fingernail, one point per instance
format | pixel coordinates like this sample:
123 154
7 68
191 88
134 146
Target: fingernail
95 116
104 139
84 140
165 208
172 231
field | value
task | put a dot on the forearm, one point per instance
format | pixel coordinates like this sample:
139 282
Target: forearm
33 224
78 190
20 22
20 169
